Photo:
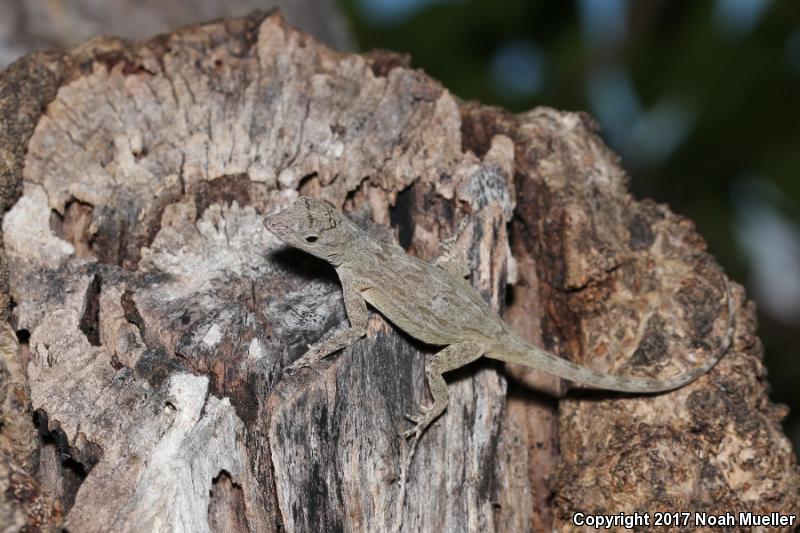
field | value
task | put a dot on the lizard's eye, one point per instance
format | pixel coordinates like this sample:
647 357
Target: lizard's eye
311 239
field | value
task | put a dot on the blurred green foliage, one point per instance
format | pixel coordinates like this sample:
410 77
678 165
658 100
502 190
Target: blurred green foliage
701 99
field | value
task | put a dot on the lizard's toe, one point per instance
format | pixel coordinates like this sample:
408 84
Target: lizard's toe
418 424
413 432
420 421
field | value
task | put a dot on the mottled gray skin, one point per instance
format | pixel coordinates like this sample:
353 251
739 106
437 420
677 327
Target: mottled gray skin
435 305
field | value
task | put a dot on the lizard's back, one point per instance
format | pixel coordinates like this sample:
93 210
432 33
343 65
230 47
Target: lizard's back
424 300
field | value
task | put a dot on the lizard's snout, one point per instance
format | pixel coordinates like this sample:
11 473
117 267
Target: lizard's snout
276 226
272 224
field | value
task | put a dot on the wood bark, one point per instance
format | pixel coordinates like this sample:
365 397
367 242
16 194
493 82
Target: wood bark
155 314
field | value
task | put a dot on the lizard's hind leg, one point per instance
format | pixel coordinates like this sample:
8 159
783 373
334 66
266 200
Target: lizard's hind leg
450 358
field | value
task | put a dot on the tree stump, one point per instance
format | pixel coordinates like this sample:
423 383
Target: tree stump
155 313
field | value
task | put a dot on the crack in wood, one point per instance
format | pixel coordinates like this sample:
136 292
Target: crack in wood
89 323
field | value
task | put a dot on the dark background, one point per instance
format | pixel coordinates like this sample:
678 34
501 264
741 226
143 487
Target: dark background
700 98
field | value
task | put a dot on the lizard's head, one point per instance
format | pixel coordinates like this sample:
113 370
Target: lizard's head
314 226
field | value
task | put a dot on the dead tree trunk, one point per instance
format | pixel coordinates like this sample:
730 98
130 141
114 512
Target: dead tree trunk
156 313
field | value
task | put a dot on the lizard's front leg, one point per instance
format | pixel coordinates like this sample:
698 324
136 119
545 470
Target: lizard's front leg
450 358
356 309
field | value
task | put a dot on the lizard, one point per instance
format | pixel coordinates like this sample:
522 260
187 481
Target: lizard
436 305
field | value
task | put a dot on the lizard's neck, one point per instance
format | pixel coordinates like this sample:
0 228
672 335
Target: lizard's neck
361 252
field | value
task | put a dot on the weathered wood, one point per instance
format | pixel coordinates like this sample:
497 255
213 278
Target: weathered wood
160 312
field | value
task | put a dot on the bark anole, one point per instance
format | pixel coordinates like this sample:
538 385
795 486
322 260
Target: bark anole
436 305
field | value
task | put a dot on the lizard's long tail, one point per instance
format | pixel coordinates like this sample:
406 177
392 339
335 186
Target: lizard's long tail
534 357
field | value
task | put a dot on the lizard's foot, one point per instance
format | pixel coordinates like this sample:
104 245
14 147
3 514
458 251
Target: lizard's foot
416 431
421 421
